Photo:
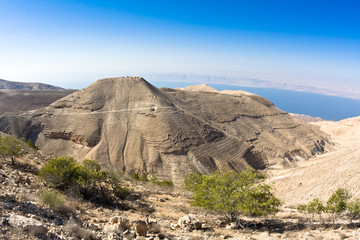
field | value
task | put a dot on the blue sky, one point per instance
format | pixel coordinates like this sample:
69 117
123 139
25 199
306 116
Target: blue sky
73 43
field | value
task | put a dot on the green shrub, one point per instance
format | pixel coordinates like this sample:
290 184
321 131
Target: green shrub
353 209
10 147
302 208
164 182
91 172
312 208
315 207
233 193
134 176
337 202
91 181
52 199
121 191
61 172
30 144
154 179
114 178
144 177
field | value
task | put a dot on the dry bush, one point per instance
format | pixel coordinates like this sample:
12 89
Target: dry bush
51 198
183 208
80 232
67 210
26 197
70 207
37 231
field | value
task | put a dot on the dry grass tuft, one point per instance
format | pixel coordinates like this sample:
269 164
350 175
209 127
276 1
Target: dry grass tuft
80 232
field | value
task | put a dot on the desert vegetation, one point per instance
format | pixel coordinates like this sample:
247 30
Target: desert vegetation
337 205
143 177
223 202
11 147
88 179
233 194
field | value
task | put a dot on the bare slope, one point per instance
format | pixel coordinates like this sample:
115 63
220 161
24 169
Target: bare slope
129 124
25 100
9 85
321 176
20 96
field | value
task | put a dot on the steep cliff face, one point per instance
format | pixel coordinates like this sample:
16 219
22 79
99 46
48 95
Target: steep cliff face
127 123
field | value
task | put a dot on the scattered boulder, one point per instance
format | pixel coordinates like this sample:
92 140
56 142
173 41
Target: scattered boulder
235 225
31 225
111 229
22 222
189 223
117 225
232 225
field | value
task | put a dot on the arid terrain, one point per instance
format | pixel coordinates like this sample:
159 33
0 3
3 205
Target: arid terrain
16 97
23 216
321 175
167 212
128 124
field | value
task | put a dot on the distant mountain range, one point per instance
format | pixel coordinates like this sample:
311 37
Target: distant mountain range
340 89
9 85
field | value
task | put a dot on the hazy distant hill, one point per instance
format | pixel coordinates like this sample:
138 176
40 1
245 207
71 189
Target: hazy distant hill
18 96
330 89
9 85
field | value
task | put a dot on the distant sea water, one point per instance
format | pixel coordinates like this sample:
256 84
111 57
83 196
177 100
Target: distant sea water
316 105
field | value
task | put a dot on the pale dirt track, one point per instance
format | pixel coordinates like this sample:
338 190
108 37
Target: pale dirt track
319 177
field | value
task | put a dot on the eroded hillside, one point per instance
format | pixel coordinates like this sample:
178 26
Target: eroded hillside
322 175
129 124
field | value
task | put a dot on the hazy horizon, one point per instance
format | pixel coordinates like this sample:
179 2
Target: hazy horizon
73 43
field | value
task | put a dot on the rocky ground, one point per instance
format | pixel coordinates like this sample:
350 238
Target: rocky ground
150 212
156 212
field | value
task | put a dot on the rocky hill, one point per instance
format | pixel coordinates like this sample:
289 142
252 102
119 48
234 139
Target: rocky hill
25 100
18 96
9 85
126 123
